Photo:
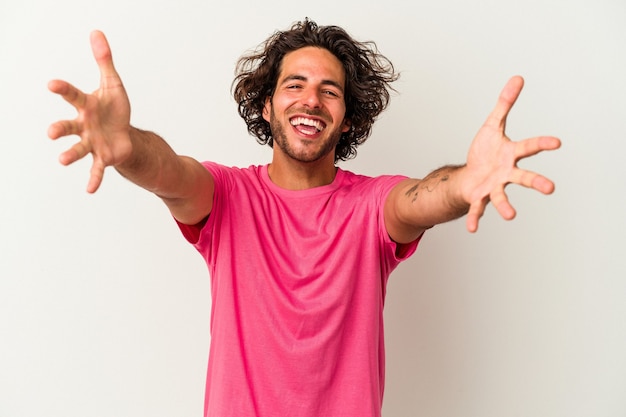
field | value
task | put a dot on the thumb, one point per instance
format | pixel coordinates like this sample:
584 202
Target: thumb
104 59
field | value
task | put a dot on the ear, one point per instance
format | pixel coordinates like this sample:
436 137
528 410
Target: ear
347 124
267 109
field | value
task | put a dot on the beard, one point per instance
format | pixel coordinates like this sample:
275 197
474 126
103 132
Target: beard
309 150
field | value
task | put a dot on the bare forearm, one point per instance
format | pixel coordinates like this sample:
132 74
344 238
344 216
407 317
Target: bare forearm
416 205
436 198
152 164
181 182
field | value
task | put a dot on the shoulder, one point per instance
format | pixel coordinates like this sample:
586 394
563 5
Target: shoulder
380 184
227 176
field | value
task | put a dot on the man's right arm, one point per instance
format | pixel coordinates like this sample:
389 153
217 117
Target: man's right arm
103 125
183 183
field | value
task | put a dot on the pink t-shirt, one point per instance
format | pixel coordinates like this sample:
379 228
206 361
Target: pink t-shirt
298 285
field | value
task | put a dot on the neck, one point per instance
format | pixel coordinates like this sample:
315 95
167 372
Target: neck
296 175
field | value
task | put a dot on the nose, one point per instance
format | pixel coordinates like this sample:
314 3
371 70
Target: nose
311 98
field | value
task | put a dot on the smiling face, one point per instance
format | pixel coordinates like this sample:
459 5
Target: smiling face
307 111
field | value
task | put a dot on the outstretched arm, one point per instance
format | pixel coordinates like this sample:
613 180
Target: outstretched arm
453 191
103 126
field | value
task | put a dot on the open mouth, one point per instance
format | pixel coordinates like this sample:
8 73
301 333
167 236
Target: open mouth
307 126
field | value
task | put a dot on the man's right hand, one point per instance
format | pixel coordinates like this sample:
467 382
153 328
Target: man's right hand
103 121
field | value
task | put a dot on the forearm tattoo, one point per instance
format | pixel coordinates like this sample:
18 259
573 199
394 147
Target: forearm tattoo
430 182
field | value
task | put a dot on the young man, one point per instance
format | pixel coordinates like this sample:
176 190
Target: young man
299 250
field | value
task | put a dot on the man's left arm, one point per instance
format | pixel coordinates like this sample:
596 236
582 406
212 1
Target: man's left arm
453 191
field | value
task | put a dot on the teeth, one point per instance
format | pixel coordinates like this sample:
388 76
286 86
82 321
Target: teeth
307 122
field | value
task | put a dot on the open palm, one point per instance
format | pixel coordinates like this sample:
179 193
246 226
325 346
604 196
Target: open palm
103 120
493 157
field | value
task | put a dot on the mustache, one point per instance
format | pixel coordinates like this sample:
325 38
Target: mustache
310 112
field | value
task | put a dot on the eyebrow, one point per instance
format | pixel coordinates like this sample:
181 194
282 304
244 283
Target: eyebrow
298 77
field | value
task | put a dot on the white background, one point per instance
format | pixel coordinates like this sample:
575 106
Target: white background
104 308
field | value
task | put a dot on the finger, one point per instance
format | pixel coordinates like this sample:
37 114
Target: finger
506 100
96 175
64 128
501 202
476 211
71 94
543 185
533 146
102 53
76 152
532 180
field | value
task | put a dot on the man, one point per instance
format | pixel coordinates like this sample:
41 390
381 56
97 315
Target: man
299 250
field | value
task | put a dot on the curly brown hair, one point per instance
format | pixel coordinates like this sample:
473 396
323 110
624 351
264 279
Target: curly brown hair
368 78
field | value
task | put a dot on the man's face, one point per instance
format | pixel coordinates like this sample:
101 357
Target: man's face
307 111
